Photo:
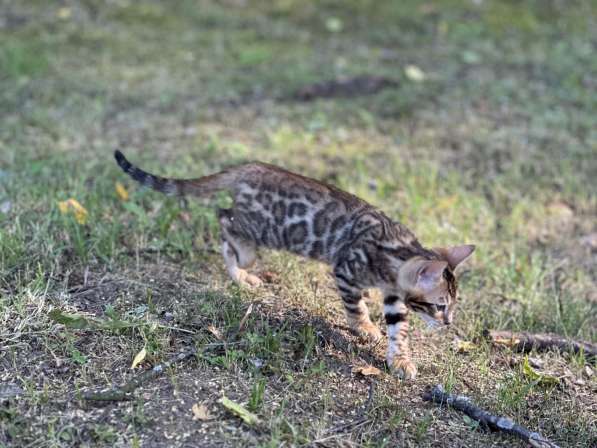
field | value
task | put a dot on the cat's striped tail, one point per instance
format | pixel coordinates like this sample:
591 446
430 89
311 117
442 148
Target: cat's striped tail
203 186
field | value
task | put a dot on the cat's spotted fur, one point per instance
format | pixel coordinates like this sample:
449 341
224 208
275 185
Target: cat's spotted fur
281 210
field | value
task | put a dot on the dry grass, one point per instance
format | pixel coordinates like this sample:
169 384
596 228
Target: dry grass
496 146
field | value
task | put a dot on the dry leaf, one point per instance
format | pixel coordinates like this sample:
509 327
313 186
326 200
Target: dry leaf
185 217
217 333
64 13
121 191
414 73
200 412
270 277
73 206
560 209
366 370
464 346
139 358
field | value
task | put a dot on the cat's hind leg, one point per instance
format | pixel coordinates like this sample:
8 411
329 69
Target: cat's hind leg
236 256
239 253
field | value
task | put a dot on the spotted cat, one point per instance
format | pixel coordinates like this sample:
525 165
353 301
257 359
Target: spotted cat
278 209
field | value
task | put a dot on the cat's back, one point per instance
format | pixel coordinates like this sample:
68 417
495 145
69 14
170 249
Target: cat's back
285 210
281 183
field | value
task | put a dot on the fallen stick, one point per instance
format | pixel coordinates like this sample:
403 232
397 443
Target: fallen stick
343 88
486 419
125 392
525 342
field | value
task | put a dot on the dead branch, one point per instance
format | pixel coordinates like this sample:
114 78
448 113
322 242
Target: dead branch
125 392
486 419
341 88
525 342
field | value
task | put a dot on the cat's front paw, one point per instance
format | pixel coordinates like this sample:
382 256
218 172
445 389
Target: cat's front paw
404 369
368 331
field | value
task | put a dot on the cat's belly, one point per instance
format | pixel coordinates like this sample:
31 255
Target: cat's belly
298 227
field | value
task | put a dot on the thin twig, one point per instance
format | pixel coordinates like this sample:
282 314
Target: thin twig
487 420
340 429
124 392
241 326
243 321
181 330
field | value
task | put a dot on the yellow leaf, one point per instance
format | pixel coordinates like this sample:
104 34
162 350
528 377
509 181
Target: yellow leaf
122 193
447 202
464 346
533 375
414 73
248 417
74 207
63 207
64 13
200 412
366 370
139 358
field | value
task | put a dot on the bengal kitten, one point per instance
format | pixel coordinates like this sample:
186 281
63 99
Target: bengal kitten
282 210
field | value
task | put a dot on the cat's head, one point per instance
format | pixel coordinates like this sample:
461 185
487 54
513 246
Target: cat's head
430 285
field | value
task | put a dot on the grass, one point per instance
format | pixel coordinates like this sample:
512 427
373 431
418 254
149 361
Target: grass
496 146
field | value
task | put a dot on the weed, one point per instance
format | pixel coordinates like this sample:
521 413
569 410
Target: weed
257 393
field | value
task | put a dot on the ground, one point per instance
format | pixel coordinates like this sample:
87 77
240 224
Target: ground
485 133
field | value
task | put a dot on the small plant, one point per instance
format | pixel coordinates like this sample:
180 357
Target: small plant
421 427
472 424
307 339
77 356
104 433
257 393
512 392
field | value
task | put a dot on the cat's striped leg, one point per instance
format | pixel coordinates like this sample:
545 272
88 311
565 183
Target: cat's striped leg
238 253
357 313
398 355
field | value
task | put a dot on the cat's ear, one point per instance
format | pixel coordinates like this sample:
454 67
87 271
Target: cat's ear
429 274
456 254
